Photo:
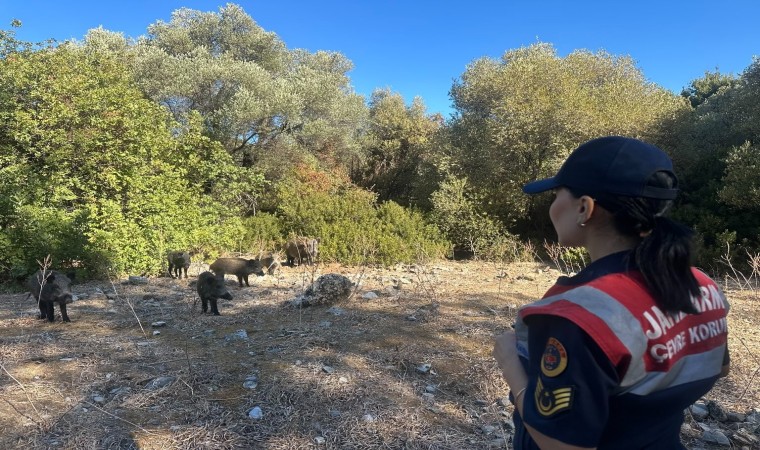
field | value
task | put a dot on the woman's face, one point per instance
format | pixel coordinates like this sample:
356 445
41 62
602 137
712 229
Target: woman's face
564 213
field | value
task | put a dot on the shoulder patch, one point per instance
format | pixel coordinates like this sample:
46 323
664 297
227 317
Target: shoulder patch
554 359
552 401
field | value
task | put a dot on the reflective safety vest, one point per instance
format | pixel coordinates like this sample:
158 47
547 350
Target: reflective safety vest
650 349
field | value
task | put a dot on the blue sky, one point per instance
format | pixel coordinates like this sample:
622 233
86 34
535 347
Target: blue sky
418 47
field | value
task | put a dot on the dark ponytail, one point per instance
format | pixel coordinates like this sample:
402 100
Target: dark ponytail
664 253
664 258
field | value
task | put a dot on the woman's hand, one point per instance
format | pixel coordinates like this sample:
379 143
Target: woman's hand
505 351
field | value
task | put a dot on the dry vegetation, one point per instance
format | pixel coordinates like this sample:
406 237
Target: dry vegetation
324 380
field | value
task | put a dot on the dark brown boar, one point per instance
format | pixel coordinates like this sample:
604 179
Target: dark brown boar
302 249
239 267
211 288
177 262
48 288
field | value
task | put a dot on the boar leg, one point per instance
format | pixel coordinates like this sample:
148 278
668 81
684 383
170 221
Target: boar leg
64 316
49 311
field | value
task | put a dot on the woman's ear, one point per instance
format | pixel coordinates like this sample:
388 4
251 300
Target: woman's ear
585 209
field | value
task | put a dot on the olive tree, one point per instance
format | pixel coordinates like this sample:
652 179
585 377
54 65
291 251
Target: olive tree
518 117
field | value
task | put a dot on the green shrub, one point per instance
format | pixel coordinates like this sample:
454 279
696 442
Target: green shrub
456 212
262 232
37 232
352 227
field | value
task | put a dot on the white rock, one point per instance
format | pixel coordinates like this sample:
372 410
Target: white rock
255 413
424 368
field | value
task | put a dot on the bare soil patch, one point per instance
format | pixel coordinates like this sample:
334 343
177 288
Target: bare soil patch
324 378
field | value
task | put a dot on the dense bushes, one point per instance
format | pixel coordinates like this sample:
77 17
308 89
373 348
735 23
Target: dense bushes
112 152
353 228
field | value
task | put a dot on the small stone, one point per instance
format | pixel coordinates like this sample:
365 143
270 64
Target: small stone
158 324
716 437
120 390
717 412
369 418
745 438
424 368
343 380
431 389
488 429
498 443
736 417
237 335
370 295
255 413
336 311
699 411
327 369
158 383
98 399
138 280
319 440
156 332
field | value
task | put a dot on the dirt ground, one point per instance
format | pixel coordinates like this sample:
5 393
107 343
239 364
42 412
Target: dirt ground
409 369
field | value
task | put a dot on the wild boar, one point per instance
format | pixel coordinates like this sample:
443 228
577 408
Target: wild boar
177 262
210 288
300 249
239 267
270 264
53 287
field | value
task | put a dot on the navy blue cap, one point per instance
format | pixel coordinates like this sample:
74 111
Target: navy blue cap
611 165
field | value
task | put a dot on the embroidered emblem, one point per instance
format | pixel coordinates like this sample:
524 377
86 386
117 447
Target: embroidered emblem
550 402
554 359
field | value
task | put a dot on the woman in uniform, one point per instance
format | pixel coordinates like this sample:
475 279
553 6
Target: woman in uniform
611 357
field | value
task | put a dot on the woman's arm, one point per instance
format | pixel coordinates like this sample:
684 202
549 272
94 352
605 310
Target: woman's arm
726 363
505 353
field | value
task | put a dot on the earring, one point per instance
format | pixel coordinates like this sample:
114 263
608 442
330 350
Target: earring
582 224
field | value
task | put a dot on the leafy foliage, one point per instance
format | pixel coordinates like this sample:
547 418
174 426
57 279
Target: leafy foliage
96 174
457 214
716 158
352 227
399 140
264 103
211 135
520 116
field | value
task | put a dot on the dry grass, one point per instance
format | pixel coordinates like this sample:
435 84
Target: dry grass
324 380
